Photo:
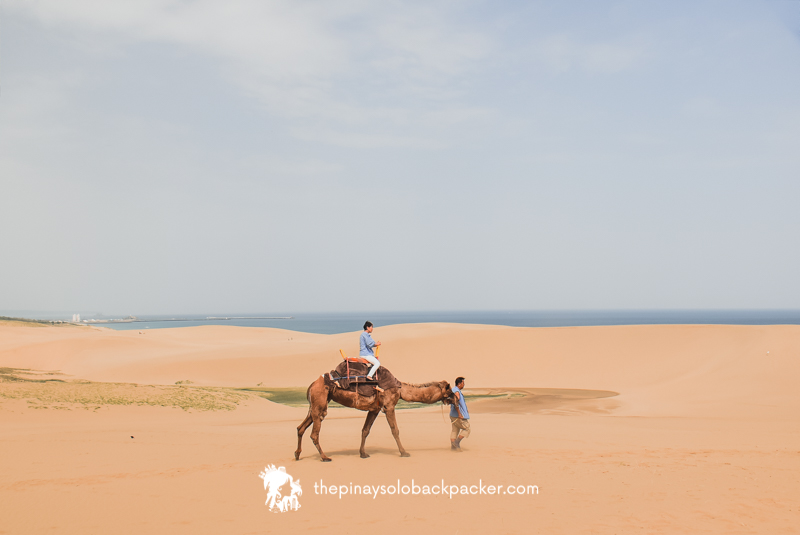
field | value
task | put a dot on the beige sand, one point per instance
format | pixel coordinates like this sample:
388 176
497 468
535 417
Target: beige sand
703 437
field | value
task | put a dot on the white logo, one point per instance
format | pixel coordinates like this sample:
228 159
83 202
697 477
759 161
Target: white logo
275 480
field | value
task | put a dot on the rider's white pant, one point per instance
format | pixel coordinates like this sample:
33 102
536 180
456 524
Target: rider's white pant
372 360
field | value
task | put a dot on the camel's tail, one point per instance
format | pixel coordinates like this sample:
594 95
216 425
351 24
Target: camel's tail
329 382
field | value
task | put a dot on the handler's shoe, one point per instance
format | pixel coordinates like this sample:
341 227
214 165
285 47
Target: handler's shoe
458 443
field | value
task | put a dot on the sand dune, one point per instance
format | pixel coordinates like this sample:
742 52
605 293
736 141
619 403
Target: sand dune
702 437
658 370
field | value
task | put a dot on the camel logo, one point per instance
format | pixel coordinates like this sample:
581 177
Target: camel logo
282 489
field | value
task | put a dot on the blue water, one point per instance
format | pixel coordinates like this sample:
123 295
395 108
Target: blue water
333 323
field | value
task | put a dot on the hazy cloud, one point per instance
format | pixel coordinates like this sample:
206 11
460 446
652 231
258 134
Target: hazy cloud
303 59
563 53
165 156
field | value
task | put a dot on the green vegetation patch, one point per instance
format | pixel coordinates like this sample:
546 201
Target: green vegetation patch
293 397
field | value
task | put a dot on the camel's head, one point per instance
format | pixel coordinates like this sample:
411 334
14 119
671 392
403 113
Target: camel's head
448 398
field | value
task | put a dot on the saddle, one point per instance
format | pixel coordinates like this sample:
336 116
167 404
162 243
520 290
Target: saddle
359 360
351 375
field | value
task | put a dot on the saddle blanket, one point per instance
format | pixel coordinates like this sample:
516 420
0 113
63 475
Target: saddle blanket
385 378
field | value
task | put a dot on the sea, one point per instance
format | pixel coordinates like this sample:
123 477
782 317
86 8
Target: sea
342 322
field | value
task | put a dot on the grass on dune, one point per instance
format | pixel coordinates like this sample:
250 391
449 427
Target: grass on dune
42 391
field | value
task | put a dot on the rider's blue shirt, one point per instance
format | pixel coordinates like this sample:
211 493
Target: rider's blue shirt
366 343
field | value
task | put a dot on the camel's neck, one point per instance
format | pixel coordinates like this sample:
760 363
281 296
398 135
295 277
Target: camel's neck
421 394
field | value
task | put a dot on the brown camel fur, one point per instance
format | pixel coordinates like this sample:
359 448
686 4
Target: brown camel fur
321 392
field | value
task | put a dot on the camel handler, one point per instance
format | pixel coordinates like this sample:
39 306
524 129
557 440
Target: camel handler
367 349
459 417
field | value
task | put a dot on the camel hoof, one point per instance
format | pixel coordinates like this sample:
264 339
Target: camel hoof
365 455
405 454
326 459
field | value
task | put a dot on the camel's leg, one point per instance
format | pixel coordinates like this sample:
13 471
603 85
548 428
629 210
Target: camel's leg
301 429
390 417
317 416
365 431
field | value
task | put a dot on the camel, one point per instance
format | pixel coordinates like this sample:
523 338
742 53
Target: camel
321 392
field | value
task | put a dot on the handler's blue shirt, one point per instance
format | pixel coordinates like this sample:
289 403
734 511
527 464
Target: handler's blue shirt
462 404
366 343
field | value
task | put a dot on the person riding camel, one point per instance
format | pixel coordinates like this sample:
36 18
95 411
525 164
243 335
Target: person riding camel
366 350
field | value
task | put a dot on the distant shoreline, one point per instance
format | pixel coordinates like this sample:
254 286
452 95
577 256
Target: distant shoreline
29 320
210 318
136 320
336 323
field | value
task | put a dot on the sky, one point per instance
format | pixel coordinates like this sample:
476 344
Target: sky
164 156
